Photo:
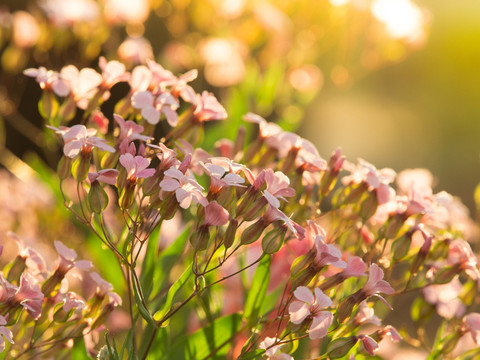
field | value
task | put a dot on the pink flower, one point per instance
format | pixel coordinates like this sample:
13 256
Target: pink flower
376 285
83 84
460 253
135 50
49 80
355 267
6 333
107 176
369 344
273 214
207 108
273 351
310 306
104 288
140 78
327 254
130 130
366 315
179 86
472 324
161 77
215 215
445 298
33 260
112 72
278 184
136 167
79 138
186 188
68 259
220 178
377 180
72 301
29 296
152 108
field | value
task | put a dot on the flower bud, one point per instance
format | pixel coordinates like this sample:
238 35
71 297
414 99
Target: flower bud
230 233
255 209
253 232
64 167
97 198
169 206
401 246
48 105
273 240
340 347
200 237
80 167
126 198
67 109
369 206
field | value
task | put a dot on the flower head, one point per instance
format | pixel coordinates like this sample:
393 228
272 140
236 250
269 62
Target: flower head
376 285
49 80
136 167
310 306
207 108
273 351
186 188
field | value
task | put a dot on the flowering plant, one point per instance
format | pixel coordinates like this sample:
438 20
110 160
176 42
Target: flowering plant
252 248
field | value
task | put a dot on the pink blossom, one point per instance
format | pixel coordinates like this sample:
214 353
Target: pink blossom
445 298
220 178
394 334
136 167
273 214
33 260
420 180
369 344
355 267
140 78
72 301
273 351
215 214
79 138
152 108
68 259
377 180
49 79
472 325
135 50
83 84
186 188
366 315
460 253
6 333
107 176
179 86
207 108
278 184
327 254
167 156
112 72
7 290
104 288
29 296
310 306
130 130
100 120
376 285
161 77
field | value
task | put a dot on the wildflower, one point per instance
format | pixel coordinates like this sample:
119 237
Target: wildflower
29 296
83 84
273 351
460 254
152 108
112 72
179 86
107 176
366 315
445 298
104 288
80 139
376 285
369 344
129 130
136 167
6 333
220 178
186 188
278 184
72 301
207 108
327 254
215 214
273 213
309 307
49 80
68 259
471 323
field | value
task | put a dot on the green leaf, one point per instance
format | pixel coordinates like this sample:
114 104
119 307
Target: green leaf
258 290
79 351
177 285
112 350
212 341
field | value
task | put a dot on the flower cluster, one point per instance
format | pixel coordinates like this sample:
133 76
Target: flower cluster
270 203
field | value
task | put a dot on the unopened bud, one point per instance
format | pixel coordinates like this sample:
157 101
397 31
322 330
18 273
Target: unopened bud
97 198
340 347
169 206
369 206
200 237
401 246
273 240
253 232
80 167
230 233
64 168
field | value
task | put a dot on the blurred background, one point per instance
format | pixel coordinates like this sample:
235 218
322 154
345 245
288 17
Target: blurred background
395 82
